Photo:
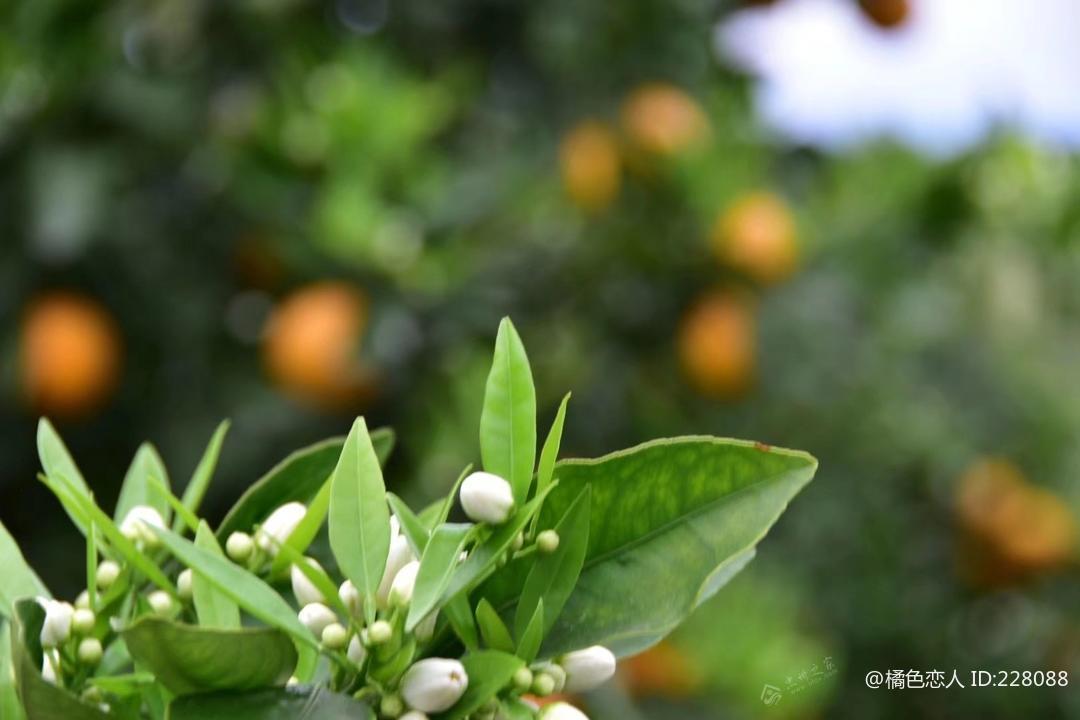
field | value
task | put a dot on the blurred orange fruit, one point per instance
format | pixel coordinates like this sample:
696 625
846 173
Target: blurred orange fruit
663 119
756 234
717 344
312 342
589 159
70 354
887 14
1013 527
662 670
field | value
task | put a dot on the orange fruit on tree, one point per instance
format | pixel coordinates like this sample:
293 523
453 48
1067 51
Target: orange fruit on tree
312 341
663 670
756 235
717 344
70 354
589 160
663 119
1012 527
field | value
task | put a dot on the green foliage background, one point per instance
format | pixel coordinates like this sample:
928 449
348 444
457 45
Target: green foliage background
148 151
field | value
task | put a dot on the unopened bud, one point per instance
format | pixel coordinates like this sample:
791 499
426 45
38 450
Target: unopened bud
90 651
83 600
561 711
414 715
399 555
50 666
82 621
138 522
487 498
315 617
302 587
239 547
391 706
183 584
543 684
523 679
401 590
547 541
279 526
519 542
585 669
434 684
356 653
56 627
161 603
107 573
380 632
351 598
335 636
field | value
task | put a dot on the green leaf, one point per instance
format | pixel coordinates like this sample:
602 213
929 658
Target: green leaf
292 703
305 531
9 696
448 502
19 579
438 562
40 699
459 614
138 488
489 672
188 659
492 629
246 590
484 558
554 575
412 527
89 509
671 521
185 517
91 566
213 607
296 478
530 638
546 469
123 685
204 471
508 418
359 516
56 462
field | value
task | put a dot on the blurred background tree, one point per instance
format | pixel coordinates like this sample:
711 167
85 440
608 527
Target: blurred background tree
289 212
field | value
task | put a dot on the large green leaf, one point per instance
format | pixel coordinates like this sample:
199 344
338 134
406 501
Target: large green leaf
56 462
138 489
10 708
19 579
436 565
292 703
40 699
188 659
213 607
296 478
359 523
554 575
204 471
670 522
508 418
489 672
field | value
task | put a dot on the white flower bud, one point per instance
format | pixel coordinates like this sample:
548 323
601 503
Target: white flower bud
356 653
50 666
401 590
487 498
239 546
183 583
302 587
391 706
292 681
561 711
316 616
137 523
351 598
395 527
279 526
90 651
161 603
82 621
434 684
380 632
547 542
413 715
399 556
585 669
426 629
107 573
57 626
335 636
555 673
83 600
